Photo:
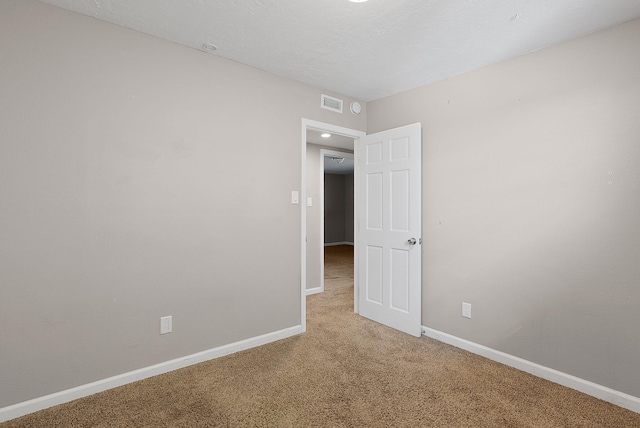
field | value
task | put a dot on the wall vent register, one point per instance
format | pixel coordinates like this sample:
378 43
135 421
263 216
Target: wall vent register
330 103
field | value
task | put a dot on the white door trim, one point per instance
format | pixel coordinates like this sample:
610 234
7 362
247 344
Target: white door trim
335 129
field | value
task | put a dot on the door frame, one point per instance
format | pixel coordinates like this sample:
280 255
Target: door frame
323 154
335 129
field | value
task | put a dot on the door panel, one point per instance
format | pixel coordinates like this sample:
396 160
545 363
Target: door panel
374 275
400 207
389 227
375 196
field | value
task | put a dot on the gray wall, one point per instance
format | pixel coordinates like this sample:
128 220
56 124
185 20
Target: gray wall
338 208
334 208
348 207
314 217
116 150
531 208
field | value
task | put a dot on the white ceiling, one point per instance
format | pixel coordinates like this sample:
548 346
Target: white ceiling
341 143
364 50
315 137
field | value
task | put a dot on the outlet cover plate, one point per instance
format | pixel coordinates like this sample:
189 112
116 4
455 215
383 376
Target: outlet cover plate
466 310
166 325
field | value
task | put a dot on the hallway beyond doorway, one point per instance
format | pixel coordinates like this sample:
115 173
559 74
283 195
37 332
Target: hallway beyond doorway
338 266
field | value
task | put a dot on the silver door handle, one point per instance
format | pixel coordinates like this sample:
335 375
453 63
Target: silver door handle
412 241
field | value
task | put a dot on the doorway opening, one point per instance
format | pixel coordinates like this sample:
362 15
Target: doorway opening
313 254
336 213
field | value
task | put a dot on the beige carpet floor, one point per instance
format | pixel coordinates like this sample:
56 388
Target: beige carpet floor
346 371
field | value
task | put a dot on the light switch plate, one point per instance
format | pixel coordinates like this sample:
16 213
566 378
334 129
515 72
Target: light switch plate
295 197
309 202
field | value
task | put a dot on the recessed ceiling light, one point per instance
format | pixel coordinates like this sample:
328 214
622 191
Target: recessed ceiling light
357 1
209 47
325 135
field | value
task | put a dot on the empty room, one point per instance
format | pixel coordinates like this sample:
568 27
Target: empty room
162 258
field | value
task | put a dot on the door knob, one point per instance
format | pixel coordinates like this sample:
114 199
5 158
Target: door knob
412 241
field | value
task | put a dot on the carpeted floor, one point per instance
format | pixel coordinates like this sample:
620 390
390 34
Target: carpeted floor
346 371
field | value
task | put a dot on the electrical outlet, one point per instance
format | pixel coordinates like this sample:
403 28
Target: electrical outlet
166 325
466 310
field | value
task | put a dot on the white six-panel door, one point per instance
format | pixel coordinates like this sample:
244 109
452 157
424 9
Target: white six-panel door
389 227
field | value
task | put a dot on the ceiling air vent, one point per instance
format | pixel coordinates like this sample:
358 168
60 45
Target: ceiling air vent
330 103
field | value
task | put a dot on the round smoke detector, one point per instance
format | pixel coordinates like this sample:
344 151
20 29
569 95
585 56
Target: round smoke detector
355 107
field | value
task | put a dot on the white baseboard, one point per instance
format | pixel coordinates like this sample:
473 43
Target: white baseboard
314 290
30 406
595 390
333 244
